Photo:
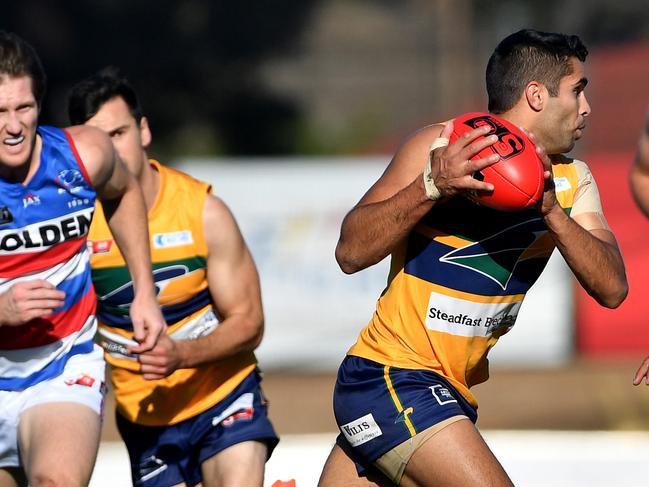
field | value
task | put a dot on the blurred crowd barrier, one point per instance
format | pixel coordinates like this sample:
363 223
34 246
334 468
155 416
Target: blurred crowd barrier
290 211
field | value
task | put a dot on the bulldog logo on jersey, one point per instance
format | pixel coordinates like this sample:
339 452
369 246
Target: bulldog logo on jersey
69 181
497 256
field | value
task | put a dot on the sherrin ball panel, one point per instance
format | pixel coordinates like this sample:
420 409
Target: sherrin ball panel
518 176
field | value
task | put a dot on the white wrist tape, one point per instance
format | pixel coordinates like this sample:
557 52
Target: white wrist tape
432 192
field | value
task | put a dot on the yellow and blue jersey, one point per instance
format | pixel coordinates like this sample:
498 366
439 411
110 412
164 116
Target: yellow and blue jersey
456 284
179 255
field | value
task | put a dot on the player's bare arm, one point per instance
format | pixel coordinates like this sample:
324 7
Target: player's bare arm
591 253
398 200
126 216
639 175
235 290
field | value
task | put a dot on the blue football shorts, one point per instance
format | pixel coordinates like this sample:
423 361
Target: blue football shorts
378 407
163 456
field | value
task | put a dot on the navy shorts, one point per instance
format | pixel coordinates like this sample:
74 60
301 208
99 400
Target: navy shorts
163 456
378 407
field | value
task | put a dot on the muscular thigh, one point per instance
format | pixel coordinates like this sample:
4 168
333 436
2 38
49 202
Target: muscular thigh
240 464
340 469
59 440
455 456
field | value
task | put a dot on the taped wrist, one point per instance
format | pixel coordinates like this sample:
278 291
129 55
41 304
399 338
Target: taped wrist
432 192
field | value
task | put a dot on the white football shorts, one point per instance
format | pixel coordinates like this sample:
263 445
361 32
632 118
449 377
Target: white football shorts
82 382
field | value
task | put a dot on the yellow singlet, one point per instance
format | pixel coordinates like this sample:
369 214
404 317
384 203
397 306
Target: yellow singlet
179 255
457 283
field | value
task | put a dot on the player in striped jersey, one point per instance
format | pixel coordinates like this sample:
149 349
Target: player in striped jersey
191 410
51 372
459 273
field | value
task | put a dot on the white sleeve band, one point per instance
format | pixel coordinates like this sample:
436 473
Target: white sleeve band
432 192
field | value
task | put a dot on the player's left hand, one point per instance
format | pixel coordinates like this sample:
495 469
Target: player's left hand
148 323
642 373
162 360
549 200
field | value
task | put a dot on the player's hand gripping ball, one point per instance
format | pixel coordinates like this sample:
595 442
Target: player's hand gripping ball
517 177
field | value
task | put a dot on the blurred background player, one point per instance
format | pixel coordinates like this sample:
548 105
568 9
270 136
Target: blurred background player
639 179
191 409
51 372
402 400
639 176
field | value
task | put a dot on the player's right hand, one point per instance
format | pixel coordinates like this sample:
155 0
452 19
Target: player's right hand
642 373
27 300
148 323
452 167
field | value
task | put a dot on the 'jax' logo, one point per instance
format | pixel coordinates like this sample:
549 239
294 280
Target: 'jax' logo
508 144
31 199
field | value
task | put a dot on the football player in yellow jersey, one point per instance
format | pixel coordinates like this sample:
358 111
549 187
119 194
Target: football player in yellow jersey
639 179
458 275
191 410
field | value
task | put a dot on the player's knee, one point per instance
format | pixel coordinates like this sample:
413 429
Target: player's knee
55 479
241 464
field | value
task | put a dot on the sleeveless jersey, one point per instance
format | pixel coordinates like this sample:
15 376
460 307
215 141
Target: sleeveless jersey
179 256
458 281
43 229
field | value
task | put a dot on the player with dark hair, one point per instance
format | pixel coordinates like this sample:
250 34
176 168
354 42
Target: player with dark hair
191 410
51 372
459 273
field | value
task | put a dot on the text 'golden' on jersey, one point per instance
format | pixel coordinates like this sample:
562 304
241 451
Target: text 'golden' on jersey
47 233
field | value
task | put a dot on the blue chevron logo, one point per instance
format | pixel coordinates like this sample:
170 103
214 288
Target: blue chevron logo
497 256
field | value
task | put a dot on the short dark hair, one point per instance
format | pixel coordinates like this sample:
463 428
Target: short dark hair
529 55
88 95
18 58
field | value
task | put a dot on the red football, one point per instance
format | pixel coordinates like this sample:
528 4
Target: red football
518 176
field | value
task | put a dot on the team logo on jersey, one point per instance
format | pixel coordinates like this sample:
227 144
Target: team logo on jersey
243 415
442 394
31 199
402 417
81 379
162 277
69 181
497 256
241 409
99 246
172 239
5 216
